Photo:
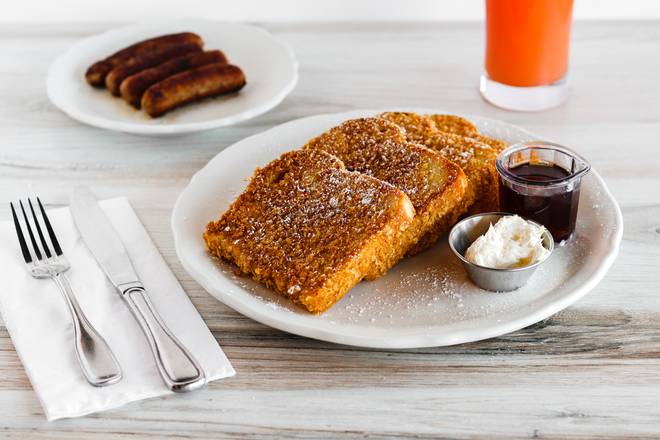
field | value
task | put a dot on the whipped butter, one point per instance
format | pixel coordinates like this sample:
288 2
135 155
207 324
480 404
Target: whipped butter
511 242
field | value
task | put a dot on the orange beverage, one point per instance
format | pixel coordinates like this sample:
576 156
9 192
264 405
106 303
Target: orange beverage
527 41
526 53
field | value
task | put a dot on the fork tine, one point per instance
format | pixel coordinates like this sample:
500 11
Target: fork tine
21 239
44 245
29 228
49 228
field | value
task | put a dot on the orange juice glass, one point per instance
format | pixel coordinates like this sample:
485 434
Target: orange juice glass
527 43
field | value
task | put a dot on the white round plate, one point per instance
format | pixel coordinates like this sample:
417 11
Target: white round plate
422 301
270 68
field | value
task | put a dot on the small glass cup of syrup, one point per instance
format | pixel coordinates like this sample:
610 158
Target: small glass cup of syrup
541 181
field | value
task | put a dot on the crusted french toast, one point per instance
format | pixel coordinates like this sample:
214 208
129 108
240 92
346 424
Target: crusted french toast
454 124
310 229
458 125
458 140
379 148
477 160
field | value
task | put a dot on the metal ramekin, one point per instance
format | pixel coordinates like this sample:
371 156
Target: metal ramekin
465 232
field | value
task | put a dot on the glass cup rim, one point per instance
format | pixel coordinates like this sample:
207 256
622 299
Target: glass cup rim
504 172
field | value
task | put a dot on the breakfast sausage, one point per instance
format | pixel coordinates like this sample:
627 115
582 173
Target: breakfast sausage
139 63
97 72
134 86
192 85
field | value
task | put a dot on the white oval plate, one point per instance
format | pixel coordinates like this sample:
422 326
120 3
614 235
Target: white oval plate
422 301
270 67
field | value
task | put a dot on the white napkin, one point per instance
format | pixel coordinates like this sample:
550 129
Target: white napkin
38 321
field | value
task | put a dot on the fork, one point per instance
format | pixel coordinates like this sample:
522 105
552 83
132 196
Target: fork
98 363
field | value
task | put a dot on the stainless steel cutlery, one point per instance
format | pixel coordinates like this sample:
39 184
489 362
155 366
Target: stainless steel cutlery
178 368
45 260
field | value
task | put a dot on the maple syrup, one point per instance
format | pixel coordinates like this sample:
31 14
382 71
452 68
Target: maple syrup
540 181
557 212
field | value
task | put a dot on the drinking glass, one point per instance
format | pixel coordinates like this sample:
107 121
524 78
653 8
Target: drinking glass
527 45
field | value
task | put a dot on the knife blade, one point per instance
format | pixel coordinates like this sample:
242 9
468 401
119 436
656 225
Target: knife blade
101 238
179 369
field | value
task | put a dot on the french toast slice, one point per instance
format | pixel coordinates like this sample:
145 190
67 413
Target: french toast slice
477 160
496 144
378 148
458 125
458 140
454 124
309 229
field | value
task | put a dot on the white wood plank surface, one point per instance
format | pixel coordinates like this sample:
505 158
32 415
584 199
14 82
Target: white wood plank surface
592 371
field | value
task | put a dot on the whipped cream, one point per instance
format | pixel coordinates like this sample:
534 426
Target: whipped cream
511 242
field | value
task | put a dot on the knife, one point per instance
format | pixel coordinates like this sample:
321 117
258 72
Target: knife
179 369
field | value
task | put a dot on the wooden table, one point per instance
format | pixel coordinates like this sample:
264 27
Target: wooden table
592 371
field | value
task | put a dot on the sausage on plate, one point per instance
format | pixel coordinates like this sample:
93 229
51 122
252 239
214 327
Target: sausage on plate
133 87
192 85
138 63
96 73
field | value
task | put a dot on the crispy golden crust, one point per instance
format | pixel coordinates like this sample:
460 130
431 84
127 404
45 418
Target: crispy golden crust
495 144
138 63
478 162
475 154
417 127
454 124
190 86
133 87
378 148
310 229
96 73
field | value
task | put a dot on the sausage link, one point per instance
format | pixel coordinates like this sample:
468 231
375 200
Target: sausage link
192 85
139 63
96 73
134 86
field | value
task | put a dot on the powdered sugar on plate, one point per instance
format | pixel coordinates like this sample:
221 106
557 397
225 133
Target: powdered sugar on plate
426 300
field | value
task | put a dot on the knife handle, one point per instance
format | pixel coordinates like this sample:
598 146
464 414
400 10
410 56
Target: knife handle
176 365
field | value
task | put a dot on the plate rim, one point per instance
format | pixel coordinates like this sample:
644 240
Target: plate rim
59 101
404 341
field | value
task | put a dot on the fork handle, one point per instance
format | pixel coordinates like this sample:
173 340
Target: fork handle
97 361
177 367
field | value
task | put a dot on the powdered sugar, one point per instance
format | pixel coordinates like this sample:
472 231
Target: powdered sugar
406 308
